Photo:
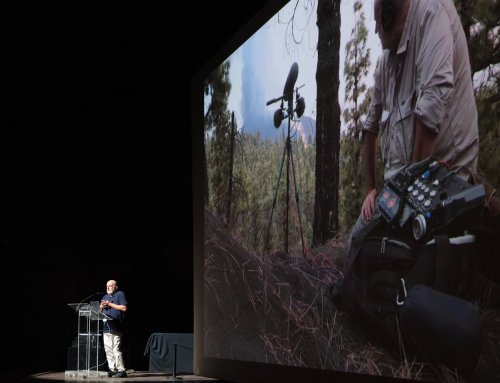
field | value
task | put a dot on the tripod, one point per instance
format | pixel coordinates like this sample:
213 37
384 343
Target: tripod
287 152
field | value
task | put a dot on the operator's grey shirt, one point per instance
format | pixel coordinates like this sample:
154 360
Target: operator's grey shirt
428 78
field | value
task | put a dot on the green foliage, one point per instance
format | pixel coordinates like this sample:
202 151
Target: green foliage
217 88
489 135
481 22
218 134
218 164
256 169
485 62
352 180
357 64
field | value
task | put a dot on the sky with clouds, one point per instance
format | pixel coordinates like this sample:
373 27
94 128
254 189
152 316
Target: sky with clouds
259 68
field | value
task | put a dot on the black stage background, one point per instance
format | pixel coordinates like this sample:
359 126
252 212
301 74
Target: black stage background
96 166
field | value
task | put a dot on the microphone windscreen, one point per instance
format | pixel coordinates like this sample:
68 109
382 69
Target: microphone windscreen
291 79
301 106
278 118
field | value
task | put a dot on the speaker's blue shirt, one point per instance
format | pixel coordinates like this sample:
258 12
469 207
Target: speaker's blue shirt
117 324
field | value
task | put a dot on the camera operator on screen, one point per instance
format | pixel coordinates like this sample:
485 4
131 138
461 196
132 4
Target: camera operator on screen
423 102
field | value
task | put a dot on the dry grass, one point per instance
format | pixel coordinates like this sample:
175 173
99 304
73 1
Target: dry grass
339 240
365 361
448 376
294 329
298 324
308 321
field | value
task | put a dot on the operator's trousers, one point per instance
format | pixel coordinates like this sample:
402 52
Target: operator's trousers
112 345
360 225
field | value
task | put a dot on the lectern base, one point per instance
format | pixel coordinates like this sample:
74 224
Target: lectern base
85 374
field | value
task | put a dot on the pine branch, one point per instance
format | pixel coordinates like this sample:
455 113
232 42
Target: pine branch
493 99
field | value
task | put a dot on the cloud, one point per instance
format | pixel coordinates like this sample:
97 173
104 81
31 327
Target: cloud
255 74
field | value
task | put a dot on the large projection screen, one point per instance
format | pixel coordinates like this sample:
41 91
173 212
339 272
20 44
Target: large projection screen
263 311
253 337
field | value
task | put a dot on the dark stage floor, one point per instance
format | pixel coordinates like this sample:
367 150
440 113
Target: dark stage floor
135 376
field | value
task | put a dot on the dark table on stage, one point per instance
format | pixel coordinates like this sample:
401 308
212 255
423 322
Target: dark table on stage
160 348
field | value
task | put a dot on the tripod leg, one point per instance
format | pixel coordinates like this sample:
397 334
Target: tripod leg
297 201
274 200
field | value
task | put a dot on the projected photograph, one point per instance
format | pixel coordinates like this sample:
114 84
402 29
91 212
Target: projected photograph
284 184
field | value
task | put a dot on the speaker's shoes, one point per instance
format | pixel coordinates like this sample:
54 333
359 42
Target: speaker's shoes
120 374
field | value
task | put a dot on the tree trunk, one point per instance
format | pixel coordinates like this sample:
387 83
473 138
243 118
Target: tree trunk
325 224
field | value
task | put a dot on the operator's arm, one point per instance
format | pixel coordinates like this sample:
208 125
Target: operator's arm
424 142
368 208
370 160
370 133
435 78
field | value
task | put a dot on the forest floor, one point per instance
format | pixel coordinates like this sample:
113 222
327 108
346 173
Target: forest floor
279 310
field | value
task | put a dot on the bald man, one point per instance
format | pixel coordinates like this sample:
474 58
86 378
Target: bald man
423 101
114 304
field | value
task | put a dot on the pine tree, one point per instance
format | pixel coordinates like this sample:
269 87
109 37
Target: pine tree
218 128
489 135
352 178
481 23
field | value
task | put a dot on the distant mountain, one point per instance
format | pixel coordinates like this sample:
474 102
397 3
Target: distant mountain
309 126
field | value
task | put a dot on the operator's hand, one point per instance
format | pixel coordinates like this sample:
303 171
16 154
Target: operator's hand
368 208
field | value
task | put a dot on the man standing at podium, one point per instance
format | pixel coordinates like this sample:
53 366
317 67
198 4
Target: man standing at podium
114 304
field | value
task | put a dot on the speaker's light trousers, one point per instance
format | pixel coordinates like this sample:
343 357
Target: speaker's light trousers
112 344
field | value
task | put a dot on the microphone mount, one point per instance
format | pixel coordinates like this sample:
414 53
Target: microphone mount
279 116
301 103
274 100
90 296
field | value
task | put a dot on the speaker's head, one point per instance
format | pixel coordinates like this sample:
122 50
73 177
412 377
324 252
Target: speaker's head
388 14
